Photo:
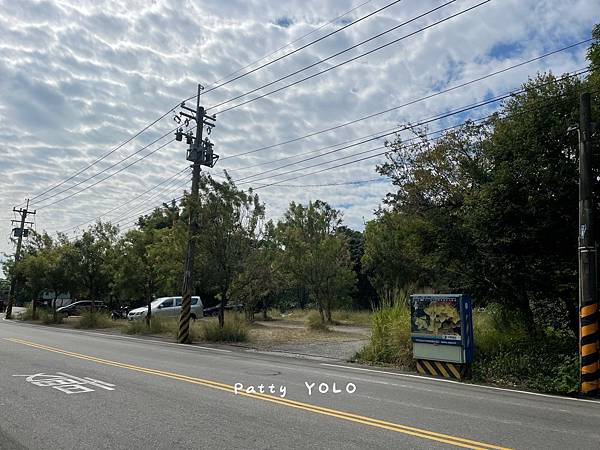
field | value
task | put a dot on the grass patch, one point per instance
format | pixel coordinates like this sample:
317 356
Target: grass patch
314 322
347 317
94 319
390 337
47 317
235 329
27 314
507 353
339 317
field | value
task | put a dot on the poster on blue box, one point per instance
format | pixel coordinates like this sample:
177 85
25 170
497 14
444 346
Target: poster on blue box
436 318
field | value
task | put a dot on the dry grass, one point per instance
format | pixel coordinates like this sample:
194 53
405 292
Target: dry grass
340 317
267 336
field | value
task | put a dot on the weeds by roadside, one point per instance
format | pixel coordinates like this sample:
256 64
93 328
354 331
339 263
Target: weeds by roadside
314 322
235 330
94 319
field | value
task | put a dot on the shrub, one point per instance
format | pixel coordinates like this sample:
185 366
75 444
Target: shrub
390 336
94 319
27 314
235 329
47 317
314 322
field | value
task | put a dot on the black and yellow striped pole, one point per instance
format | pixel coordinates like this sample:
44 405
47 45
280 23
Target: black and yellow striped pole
588 300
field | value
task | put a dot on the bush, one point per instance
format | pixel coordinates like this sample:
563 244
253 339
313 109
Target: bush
390 336
47 317
94 319
235 329
28 314
314 322
507 353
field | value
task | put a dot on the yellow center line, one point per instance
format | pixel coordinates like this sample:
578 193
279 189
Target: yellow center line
404 429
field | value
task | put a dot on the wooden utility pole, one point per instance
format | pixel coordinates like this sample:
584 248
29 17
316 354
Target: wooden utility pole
588 298
19 232
200 154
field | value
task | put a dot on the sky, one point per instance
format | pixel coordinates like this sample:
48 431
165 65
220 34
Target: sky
78 79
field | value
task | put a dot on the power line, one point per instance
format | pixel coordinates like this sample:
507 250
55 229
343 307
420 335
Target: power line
107 177
410 103
396 130
330 22
352 59
105 213
354 22
275 183
131 138
321 61
79 183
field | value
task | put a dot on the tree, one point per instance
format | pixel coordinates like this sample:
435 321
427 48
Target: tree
230 221
94 260
136 273
261 276
316 256
365 295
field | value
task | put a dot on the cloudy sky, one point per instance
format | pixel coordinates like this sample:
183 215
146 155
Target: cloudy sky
77 79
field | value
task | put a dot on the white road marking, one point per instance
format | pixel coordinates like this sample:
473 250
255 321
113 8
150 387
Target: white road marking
441 380
69 384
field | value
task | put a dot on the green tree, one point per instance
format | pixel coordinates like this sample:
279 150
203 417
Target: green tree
230 222
315 256
94 260
136 272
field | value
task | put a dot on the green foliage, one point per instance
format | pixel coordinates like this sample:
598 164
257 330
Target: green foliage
316 257
47 317
234 329
348 317
315 322
94 319
507 353
390 335
158 325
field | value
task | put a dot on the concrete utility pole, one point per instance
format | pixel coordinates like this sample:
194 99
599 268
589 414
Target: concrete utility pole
200 153
588 299
19 233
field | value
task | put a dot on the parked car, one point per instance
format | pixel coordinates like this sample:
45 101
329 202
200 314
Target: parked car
167 307
77 308
214 310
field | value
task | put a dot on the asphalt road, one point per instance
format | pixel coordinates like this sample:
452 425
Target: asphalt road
134 393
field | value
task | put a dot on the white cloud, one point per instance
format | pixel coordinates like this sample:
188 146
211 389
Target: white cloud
78 78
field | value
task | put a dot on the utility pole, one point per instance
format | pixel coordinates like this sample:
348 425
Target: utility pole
19 232
200 153
588 299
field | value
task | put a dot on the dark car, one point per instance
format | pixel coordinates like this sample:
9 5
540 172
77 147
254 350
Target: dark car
77 308
214 310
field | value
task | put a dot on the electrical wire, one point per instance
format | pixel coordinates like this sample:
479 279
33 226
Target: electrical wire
151 124
410 103
321 61
362 55
423 122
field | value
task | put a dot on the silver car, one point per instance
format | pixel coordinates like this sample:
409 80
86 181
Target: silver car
167 307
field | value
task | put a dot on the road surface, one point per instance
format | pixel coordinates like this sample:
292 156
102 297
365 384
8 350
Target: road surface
68 389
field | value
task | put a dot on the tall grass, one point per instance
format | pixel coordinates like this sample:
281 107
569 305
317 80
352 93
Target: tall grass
390 335
506 351
314 322
94 319
235 329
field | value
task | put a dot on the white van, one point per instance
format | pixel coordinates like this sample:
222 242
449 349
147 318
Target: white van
167 307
